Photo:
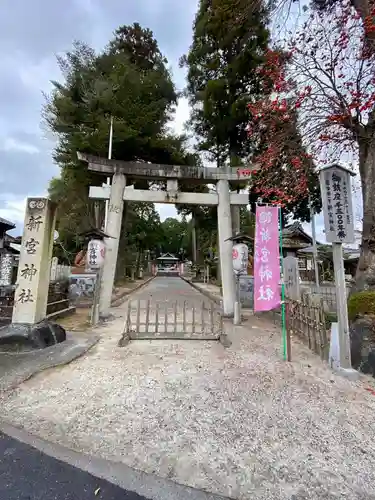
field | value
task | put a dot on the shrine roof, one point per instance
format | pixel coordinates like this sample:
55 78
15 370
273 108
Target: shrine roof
159 171
6 224
166 256
15 248
12 243
295 237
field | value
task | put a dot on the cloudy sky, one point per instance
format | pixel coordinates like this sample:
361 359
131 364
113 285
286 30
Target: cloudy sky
32 32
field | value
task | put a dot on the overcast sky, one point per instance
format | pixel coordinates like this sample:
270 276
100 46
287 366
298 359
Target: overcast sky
32 32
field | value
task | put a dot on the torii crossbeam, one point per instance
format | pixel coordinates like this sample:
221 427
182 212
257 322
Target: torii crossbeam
117 193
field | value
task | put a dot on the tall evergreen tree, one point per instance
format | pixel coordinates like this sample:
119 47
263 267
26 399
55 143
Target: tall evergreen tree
222 77
129 81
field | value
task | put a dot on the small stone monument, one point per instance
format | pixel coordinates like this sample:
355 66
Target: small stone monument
291 278
53 272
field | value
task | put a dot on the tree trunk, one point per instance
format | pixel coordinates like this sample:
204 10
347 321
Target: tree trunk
194 238
365 276
364 7
234 209
138 262
121 259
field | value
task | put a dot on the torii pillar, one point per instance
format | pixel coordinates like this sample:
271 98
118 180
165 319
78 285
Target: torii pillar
113 230
224 221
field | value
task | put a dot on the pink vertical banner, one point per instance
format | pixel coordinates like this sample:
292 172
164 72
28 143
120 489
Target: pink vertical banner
266 259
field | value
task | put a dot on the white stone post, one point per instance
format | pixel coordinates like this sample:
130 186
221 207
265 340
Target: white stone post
31 295
53 272
342 308
113 230
225 247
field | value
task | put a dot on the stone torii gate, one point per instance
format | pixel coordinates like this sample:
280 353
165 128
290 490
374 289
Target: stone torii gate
117 193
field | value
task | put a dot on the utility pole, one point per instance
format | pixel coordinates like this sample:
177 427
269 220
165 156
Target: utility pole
108 178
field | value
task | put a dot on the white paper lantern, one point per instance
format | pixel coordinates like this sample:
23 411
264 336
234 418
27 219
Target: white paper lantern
240 257
95 254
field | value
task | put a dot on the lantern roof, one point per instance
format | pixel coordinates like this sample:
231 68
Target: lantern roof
241 238
94 233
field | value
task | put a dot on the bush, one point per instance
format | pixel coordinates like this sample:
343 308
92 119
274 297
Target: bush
330 318
360 304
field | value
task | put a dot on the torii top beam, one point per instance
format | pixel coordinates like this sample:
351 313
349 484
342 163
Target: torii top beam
153 171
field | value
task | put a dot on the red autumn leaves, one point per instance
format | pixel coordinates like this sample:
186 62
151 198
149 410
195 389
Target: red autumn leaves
333 98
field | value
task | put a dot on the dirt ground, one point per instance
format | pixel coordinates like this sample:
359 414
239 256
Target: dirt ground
80 320
77 322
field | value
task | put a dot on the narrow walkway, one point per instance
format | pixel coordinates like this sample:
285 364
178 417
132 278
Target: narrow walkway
170 308
239 422
169 288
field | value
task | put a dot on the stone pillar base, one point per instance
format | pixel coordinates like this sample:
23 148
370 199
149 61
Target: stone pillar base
38 336
348 373
104 318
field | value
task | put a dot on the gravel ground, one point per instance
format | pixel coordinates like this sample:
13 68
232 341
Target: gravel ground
239 422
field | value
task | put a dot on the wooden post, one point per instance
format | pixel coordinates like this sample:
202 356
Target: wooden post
96 298
335 186
342 310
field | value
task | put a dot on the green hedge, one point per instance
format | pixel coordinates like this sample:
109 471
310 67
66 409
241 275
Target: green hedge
330 318
361 303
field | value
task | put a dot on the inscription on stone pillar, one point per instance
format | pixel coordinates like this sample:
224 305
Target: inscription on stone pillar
31 293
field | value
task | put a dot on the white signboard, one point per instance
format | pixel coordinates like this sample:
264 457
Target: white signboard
335 186
240 258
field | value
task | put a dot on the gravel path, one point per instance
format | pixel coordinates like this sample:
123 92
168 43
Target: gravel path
239 422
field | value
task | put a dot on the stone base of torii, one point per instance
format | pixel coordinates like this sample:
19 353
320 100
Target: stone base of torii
118 192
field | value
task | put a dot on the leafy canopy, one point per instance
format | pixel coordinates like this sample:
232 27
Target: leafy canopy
128 81
221 78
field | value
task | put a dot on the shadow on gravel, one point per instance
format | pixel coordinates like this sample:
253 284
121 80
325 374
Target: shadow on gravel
16 367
